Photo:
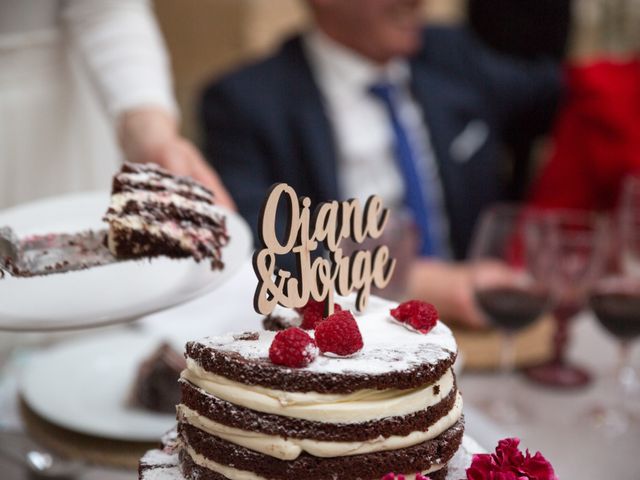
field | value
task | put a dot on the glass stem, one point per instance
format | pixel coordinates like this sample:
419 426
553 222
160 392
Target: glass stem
561 336
624 373
507 363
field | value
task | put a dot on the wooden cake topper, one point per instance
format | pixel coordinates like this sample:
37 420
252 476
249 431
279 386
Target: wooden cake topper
319 277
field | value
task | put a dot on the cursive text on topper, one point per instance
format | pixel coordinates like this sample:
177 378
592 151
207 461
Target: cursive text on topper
318 278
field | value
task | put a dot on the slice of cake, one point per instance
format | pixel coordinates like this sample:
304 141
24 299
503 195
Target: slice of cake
154 213
392 406
156 385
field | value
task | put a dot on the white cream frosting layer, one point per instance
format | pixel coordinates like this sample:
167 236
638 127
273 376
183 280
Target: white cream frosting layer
235 474
291 448
356 407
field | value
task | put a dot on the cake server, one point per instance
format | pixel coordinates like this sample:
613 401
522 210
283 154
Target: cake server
9 250
52 253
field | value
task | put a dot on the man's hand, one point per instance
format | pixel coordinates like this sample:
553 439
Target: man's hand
150 135
448 286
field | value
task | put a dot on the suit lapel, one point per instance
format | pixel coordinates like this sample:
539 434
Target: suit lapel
317 149
430 91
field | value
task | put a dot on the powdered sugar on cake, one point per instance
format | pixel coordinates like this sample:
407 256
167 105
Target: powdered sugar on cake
388 347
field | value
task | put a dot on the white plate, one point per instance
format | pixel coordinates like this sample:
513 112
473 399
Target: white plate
84 385
111 293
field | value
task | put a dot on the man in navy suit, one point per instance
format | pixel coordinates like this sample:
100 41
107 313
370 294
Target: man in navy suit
368 101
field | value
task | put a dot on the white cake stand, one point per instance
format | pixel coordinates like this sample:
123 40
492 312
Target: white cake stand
108 294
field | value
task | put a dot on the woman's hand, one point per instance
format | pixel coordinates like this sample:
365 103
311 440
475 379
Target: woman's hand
150 135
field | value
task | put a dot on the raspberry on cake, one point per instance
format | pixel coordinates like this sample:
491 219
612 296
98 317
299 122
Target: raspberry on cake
339 334
293 347
154 213
393 407
313 312
416 315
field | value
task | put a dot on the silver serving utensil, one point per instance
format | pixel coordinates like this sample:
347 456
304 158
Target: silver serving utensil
40 462
52 253
9 250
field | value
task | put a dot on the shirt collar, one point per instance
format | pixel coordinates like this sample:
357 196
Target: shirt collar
334 62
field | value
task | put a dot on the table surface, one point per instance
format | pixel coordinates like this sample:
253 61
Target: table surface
557 427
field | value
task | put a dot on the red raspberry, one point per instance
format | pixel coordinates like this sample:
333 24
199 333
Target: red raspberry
420 316
313 312
339 334
293 348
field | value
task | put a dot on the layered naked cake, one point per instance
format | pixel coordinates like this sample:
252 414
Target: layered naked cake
154 213
392 406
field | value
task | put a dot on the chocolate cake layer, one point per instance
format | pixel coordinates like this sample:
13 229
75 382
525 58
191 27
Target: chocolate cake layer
193 471
276 323
417 458
260 371
155 385
242 418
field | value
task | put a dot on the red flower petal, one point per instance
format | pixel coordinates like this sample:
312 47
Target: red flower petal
509 463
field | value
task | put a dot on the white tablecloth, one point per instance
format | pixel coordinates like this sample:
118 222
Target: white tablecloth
577 450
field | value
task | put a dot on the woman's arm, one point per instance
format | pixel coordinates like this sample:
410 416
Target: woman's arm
123 50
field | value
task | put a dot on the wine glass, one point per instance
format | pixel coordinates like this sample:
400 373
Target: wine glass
615 300
580 241
511 260
401 237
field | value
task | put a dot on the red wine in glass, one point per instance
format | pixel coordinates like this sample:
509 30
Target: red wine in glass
618 313
511 308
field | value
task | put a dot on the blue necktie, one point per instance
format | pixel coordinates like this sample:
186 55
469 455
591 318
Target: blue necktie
416 199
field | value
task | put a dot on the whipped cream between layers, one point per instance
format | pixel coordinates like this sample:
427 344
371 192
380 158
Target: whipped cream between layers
235 474
120 200
290 448
356 407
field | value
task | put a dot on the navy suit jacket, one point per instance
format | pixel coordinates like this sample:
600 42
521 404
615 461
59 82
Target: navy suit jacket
266 123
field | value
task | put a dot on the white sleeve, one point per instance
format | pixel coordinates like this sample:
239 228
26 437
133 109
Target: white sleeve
123 49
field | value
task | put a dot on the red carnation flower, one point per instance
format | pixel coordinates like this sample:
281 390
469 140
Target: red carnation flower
509 463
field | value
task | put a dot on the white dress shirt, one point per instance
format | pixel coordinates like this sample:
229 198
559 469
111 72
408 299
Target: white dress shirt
364 136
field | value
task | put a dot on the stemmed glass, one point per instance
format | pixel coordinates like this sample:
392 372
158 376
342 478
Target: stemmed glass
580 241
511 259
615 300
401 236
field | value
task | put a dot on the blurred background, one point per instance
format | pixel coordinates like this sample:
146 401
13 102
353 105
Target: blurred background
538 144
208 38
